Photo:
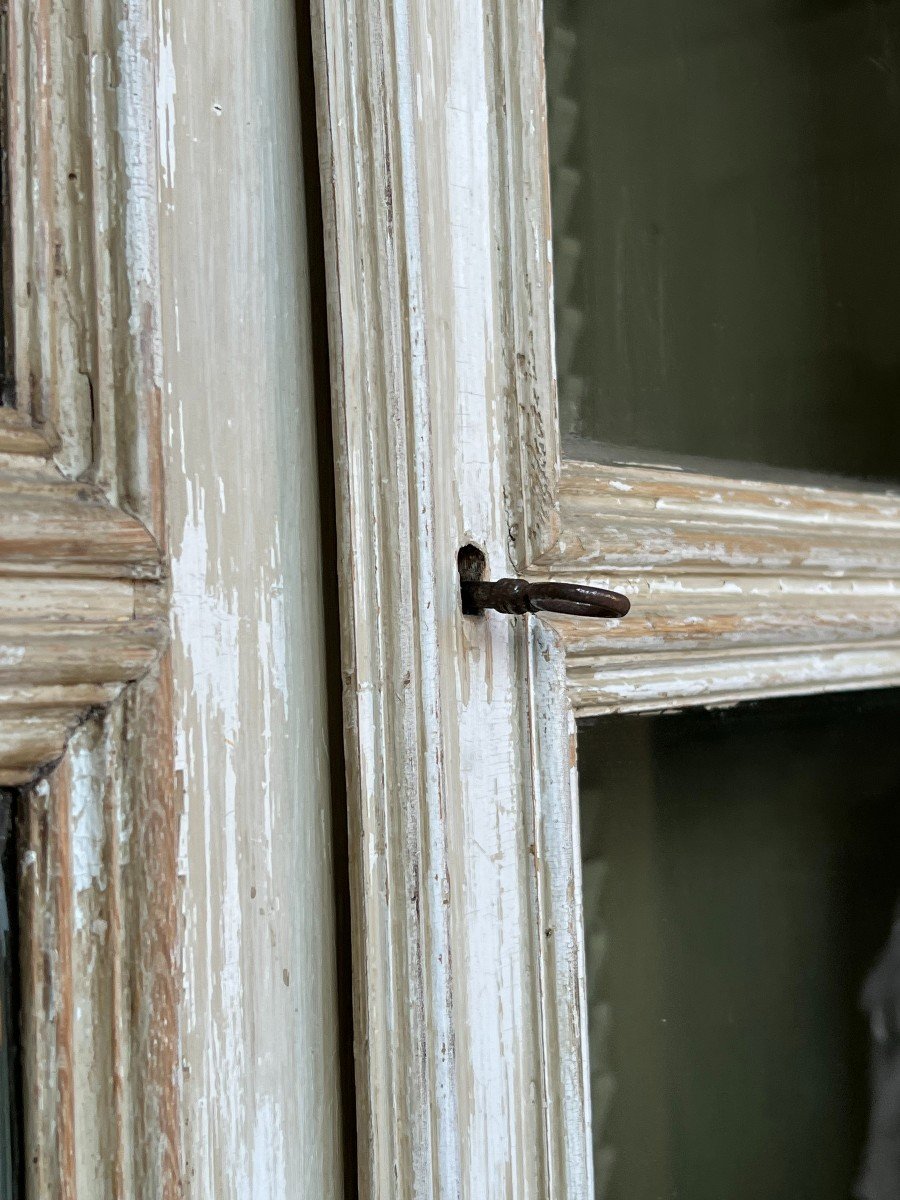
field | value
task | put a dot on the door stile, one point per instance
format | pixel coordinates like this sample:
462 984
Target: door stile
559 935
435 394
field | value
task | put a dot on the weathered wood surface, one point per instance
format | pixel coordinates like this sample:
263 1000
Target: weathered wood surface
79 480
446 436
83 610
180 1033
258 1015
772 588
460 733
201 802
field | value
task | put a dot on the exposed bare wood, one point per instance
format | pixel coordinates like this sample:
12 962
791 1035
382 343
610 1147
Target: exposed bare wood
642 520
47 991
69 600
520 190
100 960
441 368
19 436
149 984
648 683
257 1015
54 526
772 588
433 137
83 606
84 611
117 652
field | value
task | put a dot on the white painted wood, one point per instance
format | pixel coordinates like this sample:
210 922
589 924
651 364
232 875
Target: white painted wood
774 589
554 833
196 805
258 1008
460 732
456 1063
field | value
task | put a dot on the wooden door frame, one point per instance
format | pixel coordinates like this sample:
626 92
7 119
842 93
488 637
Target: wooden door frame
83 607
163 702
469 958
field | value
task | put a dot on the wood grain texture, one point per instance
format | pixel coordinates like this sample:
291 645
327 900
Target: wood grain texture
517 136
100 965
472 1076
445 435
257 1009
647 520
72 613
83 609
147 986
738 589
54 526
19 435
45 951
200 798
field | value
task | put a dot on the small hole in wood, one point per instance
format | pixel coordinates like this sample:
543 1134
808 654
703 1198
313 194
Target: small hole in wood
472 567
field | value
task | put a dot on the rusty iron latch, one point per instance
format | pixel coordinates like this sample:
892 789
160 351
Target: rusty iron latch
519 596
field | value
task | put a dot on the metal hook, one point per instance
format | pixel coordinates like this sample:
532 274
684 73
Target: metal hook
518 596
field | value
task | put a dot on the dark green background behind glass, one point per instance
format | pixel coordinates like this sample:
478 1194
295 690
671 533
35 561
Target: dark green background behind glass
727 229
741 872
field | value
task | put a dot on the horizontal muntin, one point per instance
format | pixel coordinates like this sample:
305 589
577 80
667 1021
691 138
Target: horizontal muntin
617 520
738 589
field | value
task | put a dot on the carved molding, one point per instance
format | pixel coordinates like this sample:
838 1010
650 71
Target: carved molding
465 982
773 588
83 600
82 611
82 606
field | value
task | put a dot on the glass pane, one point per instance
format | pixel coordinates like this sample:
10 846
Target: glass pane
8 1089
726 202
7 364
741 879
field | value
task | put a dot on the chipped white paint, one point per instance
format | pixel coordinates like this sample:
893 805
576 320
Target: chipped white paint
97 123
460 735
436 342
472 1061
769 583
258 1012
88 831
165 94
82 606
206 620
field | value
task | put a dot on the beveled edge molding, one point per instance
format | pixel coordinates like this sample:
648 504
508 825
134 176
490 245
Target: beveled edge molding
650 520
19 436
83 605
601 684
444 1025
82 612
521 182
773 588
